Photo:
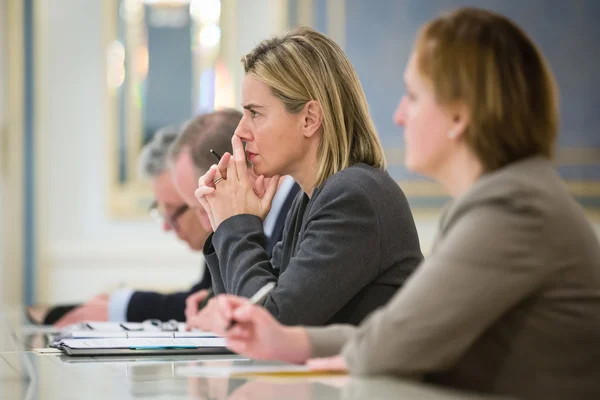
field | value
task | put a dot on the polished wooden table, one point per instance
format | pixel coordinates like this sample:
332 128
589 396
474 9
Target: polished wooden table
27 374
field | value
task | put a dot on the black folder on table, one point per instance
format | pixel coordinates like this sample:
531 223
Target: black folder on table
142 346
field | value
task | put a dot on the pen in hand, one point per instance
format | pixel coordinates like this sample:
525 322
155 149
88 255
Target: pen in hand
215 154
257 298
204 302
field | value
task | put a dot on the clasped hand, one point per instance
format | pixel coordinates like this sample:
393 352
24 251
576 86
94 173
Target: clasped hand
237 190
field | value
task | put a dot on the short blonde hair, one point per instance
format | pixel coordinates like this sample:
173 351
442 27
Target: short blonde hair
303 65
486 61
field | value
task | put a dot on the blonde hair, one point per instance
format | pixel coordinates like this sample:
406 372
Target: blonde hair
486 61
303 65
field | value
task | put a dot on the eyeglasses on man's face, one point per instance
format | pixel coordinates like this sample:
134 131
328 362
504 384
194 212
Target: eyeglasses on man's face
159 214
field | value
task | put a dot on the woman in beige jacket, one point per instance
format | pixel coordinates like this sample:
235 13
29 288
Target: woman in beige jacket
509 300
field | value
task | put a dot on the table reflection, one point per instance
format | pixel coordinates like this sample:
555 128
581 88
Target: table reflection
24 374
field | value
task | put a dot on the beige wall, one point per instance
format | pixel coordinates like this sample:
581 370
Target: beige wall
11 152
3 93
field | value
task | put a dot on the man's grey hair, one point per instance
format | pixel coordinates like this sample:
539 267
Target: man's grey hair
154 156
205 132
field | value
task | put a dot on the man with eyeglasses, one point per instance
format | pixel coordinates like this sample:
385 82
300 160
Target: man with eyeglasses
187 220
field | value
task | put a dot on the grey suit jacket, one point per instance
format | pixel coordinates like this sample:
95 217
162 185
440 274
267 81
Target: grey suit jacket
508 303
345 251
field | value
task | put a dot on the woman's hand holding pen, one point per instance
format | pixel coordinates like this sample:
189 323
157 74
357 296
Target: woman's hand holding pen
196 301
255 333
230 188
258 335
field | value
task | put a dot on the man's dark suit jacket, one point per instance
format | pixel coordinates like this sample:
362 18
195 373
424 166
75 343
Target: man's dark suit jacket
152 305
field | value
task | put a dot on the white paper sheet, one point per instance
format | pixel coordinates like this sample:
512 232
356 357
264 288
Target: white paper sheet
136 334
142 342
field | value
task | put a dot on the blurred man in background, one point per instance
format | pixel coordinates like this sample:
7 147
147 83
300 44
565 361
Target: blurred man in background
179 211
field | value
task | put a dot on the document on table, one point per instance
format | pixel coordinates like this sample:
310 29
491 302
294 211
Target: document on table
96 330
141 343
136 334
142 346
270 370
127 326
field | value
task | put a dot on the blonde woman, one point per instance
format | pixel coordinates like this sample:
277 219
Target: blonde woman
350 240
509 301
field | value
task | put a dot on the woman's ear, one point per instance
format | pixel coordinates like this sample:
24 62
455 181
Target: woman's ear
461 118
313 118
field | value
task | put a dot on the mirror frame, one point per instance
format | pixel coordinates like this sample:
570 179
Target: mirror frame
130 199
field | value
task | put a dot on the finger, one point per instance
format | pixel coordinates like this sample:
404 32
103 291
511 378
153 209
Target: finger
192 301
217 173
270 192
318 364
223 165
225 308
204 203
236 345
228 304
335 363
203 191
191 323
216 320
259 186
267 181
239 155
240 331
251 313
203 200
208 178
235 301
232 171
200 295
201 321
190 310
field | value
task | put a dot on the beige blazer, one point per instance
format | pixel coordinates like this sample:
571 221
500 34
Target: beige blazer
508 302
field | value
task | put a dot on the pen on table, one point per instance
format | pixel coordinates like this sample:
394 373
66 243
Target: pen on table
257 298
215 154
